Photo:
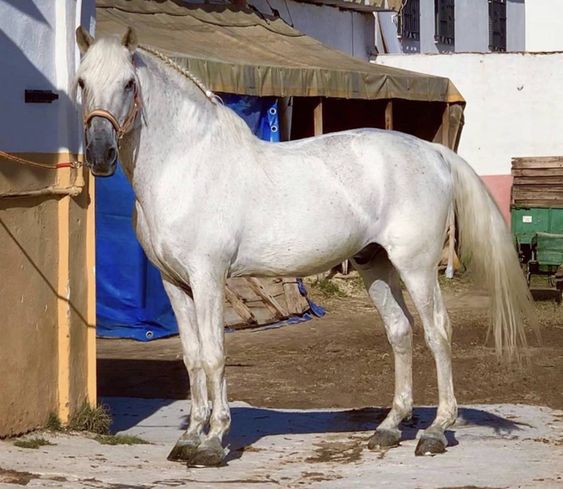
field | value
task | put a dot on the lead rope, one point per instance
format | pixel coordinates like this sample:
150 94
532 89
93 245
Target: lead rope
198 83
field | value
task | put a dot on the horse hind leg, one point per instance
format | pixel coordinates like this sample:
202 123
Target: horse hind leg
383 285
422 284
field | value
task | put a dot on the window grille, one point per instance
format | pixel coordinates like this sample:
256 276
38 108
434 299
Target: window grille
497 25
409 19
445 21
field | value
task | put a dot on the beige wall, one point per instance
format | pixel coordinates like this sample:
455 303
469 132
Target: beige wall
47 301
28 312
47 306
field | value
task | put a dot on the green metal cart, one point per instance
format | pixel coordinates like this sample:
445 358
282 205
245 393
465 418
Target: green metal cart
539 238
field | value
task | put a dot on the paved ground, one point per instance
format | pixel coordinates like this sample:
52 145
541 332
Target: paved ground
492 446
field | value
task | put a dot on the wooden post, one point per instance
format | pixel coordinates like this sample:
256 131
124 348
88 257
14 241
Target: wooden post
451 247
318 118
389 115
318 130
446 126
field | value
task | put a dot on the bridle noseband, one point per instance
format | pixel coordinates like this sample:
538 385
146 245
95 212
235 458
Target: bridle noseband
120 129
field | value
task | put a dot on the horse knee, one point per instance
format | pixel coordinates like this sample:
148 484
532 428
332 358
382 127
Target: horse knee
399 334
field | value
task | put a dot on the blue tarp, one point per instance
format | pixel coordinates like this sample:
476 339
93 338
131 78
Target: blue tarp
131 301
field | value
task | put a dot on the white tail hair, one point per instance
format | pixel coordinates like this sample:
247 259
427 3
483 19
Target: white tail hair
488 250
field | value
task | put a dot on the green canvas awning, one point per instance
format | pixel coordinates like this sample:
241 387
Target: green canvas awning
238 51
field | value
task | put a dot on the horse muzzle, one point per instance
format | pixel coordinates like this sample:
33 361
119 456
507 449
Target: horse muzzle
101 147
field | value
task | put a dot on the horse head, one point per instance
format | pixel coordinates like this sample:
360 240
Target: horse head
109 94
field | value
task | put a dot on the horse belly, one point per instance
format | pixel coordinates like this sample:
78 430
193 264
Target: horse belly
306 245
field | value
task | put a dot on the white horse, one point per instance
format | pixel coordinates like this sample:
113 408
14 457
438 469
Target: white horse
213 201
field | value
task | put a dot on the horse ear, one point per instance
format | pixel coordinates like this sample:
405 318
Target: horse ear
83 39
129 40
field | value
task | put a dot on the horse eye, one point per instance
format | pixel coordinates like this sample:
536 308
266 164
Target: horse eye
130 84
81 83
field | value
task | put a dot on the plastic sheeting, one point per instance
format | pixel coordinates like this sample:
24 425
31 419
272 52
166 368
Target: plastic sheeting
131 301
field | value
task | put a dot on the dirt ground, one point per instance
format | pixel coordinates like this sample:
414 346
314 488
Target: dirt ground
343 360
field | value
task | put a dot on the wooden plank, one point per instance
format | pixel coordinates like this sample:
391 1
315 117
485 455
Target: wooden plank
530 165
538 180
239 306
548 172
389 115
296 303
318 118
538 161
539 190
269 301
537 203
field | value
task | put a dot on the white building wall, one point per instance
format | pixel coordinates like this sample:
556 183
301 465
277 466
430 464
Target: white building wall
514 102
544 25
346 30
471 19
38 52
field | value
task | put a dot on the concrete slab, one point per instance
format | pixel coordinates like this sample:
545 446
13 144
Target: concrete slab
492 446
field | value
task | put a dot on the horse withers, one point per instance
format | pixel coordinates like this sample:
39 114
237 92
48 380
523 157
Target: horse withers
213 201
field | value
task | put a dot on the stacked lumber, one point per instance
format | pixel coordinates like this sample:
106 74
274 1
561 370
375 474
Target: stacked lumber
252 302
538 181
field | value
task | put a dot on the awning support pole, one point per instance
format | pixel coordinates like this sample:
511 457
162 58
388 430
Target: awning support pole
318 118
389 115
446 126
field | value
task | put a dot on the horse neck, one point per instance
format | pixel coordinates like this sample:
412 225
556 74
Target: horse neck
176 114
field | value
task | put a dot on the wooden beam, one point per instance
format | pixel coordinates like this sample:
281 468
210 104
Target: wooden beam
269 301
446 126
451 247
318 118
389 115
239 306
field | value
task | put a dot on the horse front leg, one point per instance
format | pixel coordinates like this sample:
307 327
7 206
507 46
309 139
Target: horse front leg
184 310
208 286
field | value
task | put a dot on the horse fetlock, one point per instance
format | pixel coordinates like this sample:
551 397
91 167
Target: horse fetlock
445 417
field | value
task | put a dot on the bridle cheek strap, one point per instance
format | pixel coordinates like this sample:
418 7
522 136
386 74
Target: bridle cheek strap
120 129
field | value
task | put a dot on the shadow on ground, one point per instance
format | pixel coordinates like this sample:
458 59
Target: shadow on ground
143 378
250 424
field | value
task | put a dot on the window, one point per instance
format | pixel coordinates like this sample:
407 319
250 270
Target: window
444 15
409 19
497 25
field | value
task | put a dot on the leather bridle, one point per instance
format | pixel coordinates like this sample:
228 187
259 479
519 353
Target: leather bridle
120 129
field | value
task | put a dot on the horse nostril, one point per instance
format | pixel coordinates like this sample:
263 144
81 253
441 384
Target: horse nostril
111 154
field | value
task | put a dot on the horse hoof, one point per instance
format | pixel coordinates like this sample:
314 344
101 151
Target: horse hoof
183 451
430 445
382 439
209 454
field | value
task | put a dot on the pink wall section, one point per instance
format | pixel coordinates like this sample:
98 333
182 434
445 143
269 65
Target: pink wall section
500 187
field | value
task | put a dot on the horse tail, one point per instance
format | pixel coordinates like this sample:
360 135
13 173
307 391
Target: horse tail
488 250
